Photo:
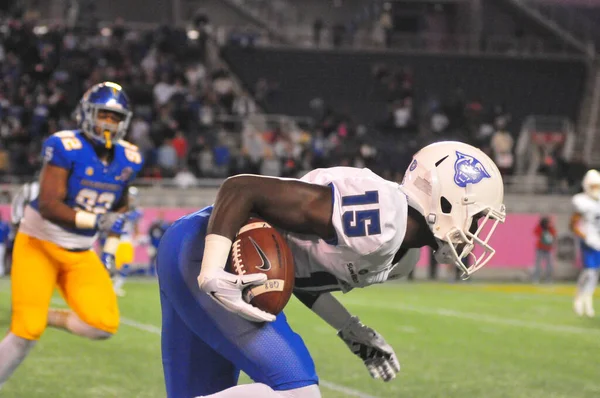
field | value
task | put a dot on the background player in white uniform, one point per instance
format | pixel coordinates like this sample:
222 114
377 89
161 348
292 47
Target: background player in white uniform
125 254
4 241
585 223
27 194
347 228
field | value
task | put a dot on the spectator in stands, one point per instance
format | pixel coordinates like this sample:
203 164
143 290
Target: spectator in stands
139 134
167 159
180 145
270 165
244 106
223 87
163 90
386 23
185 178
546 237
502 147
403 116
206 162
318 26
253 149
439 121
221 156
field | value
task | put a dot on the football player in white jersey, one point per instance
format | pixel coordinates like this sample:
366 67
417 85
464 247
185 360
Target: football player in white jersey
585 224
27 194
347 228
125 254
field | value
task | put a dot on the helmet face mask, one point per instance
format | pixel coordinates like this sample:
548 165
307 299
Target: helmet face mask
459 191
459 244
107 97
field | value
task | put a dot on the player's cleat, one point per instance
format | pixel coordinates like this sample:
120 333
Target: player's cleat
120 292
578 306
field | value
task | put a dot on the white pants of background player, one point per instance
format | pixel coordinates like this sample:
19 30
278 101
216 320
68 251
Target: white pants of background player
587 281
586 285
2 253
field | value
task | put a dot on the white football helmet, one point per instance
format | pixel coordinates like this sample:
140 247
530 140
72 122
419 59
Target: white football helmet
591 184
458 189
133 195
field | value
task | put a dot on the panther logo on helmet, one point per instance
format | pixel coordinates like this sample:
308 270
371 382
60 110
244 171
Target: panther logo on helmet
468 170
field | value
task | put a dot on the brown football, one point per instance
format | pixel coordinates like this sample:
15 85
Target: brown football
258 247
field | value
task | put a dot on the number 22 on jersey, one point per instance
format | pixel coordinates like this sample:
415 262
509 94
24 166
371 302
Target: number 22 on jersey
359 223
92 201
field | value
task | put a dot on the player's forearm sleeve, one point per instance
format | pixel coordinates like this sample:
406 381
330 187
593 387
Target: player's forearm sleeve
216 252
331 311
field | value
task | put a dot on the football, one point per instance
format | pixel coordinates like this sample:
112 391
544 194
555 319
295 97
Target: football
259 247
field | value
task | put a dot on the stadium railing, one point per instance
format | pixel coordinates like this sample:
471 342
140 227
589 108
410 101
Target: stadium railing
426 43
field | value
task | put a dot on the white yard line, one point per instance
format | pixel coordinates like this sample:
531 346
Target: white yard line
546 327
349 392
141 326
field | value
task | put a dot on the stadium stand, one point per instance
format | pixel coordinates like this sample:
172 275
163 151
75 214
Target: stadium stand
193 120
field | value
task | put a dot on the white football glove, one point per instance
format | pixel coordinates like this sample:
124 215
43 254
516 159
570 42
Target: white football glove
377 355
226 289
593 241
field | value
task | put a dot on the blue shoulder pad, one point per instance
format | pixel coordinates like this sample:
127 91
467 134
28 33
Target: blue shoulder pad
59 149
131 159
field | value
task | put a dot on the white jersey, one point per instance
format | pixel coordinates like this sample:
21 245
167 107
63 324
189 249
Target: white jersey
369 218
27 194
589 209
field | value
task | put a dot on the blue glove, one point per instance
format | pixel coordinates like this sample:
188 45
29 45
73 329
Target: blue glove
109 262
119 225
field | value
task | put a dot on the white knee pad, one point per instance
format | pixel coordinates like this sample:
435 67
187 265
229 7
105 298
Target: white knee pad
311 391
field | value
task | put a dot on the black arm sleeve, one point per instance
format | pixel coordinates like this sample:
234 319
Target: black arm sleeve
307 298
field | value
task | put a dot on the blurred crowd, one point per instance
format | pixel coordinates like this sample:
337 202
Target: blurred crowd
44 72
191 119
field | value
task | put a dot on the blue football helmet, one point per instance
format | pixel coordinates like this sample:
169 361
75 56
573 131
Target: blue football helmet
103 96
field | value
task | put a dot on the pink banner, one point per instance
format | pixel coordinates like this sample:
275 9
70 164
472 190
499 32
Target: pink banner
514 241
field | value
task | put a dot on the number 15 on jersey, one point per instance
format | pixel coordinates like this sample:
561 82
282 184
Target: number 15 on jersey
366 222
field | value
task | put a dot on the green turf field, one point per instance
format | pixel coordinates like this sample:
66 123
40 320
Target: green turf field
464 340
